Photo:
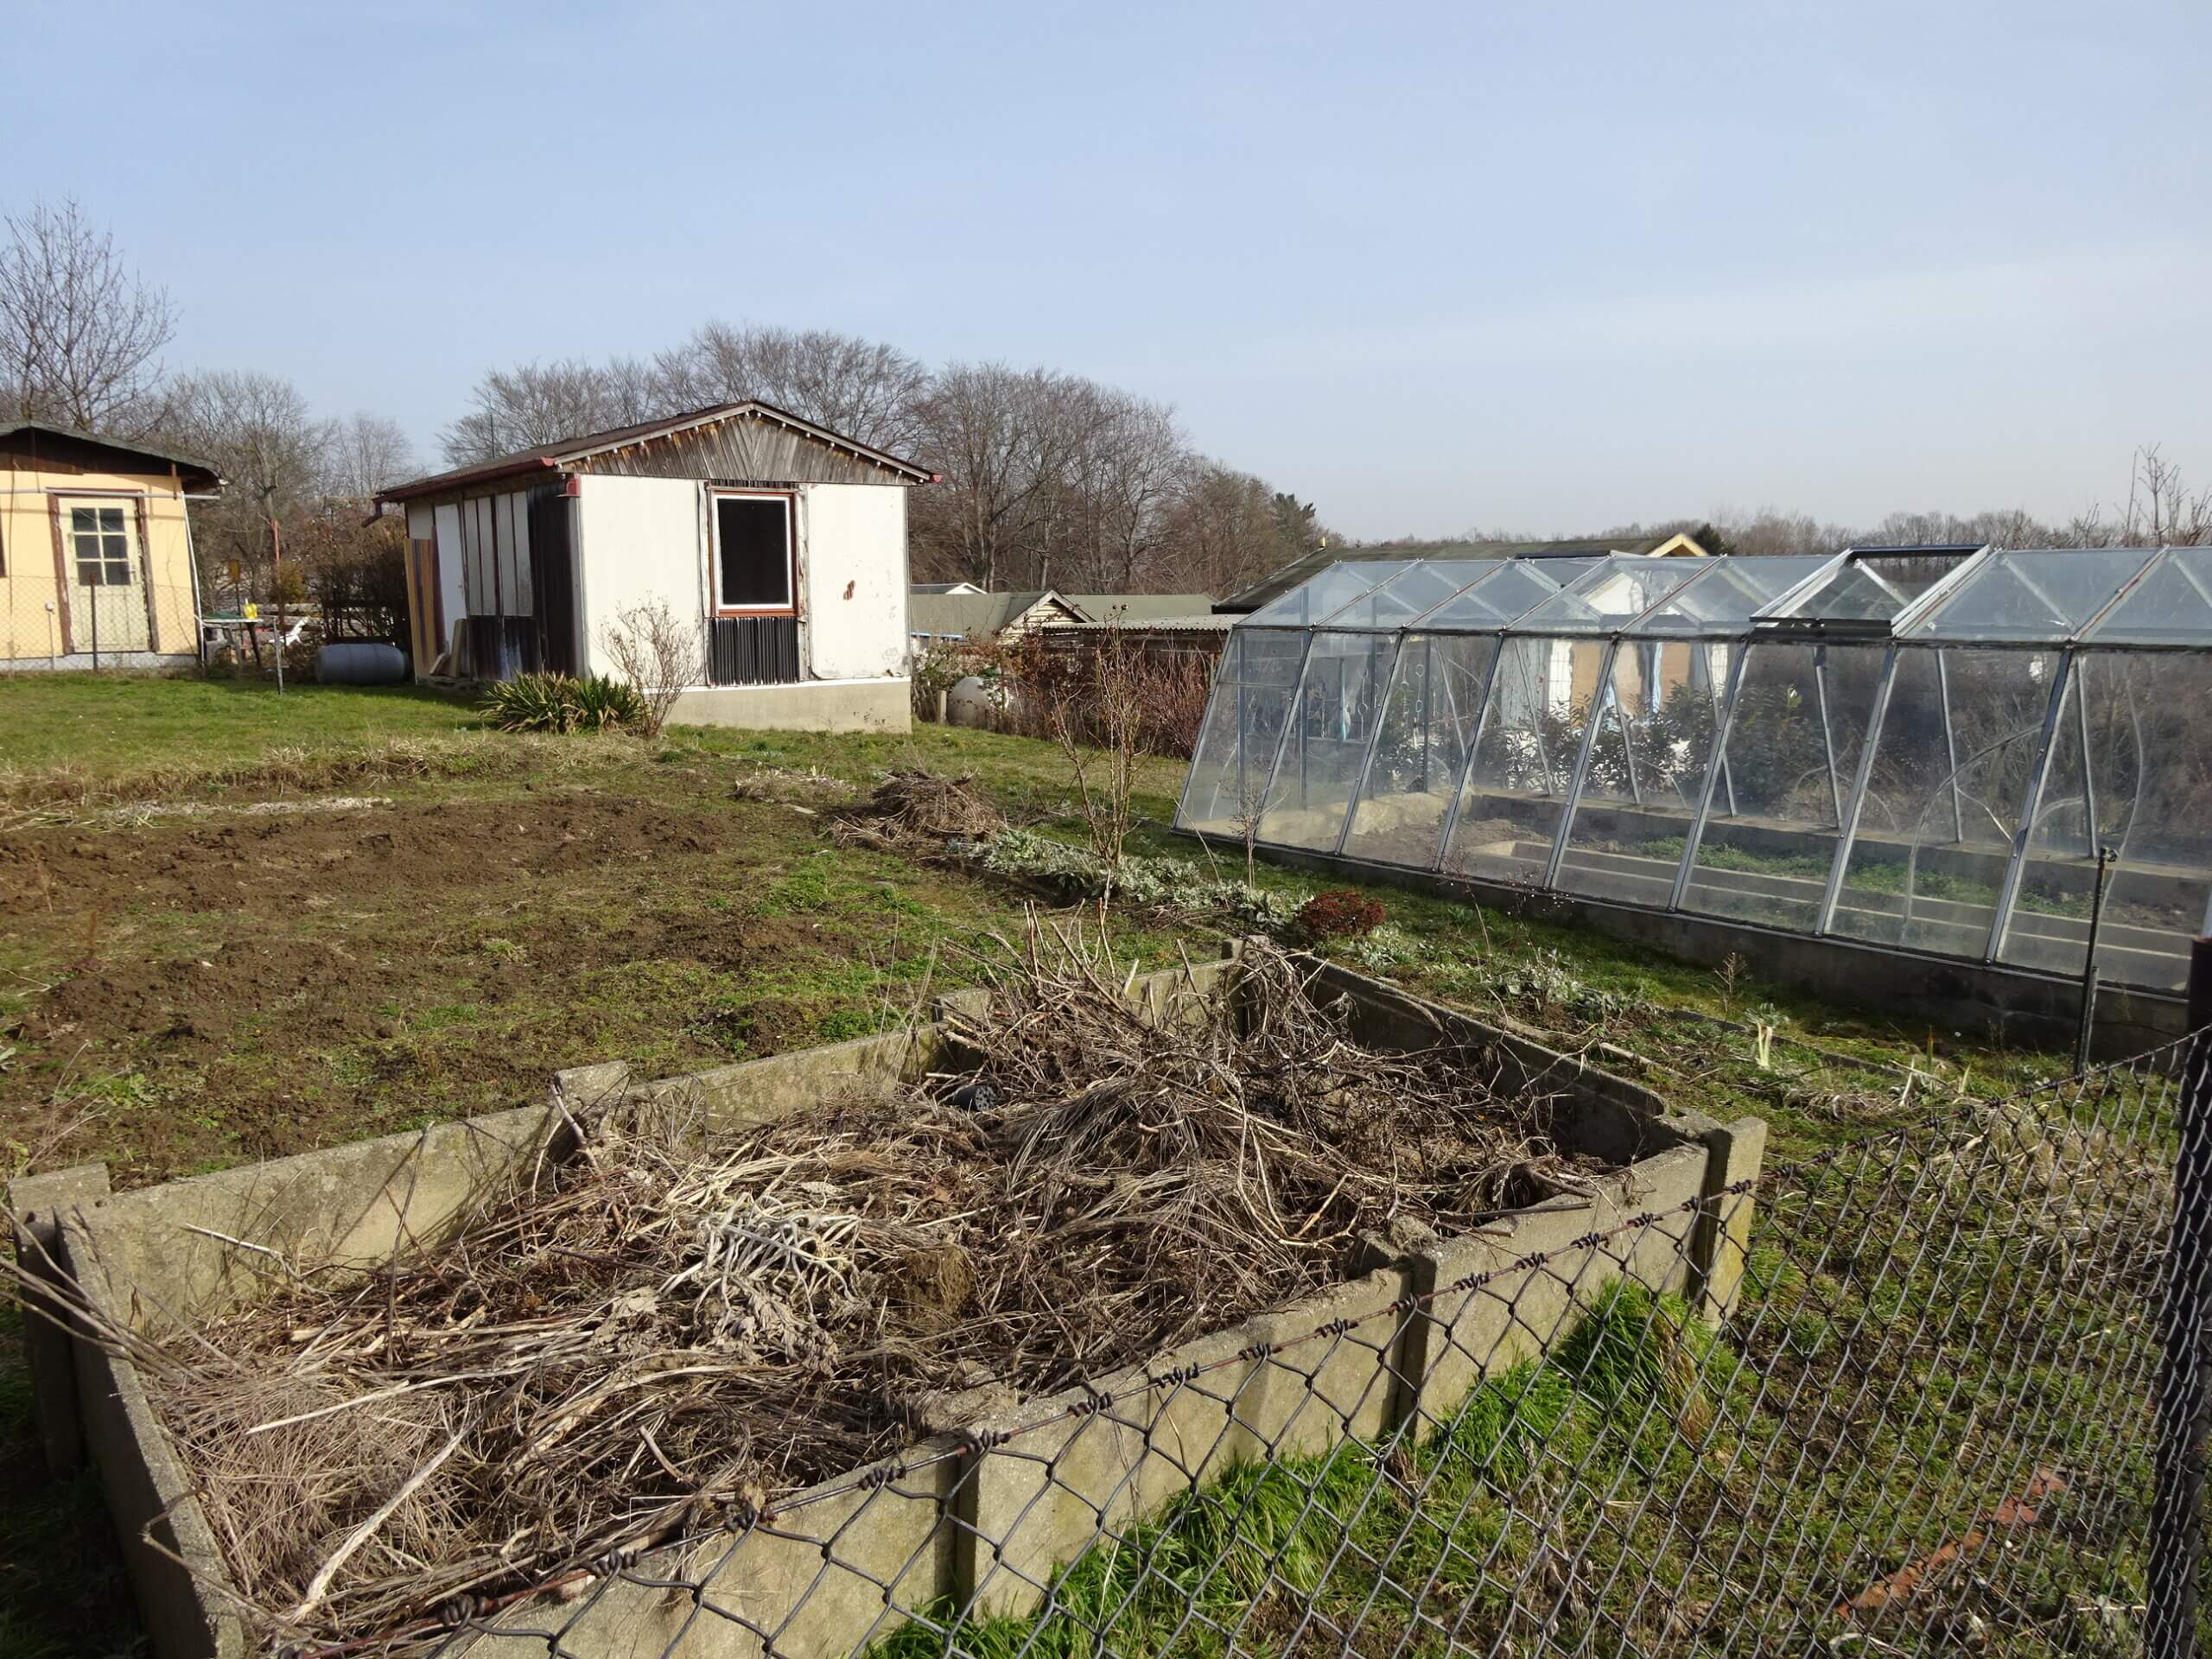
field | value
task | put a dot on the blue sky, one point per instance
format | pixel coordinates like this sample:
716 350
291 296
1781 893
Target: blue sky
1537 266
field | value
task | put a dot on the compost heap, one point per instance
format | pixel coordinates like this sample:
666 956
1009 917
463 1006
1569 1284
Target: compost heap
679 1323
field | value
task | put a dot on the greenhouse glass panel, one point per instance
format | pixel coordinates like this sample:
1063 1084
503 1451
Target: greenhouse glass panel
1958 746
2170 605
2031 597
1332 590
1524 760
1917 747
1340 704
1405 596
1790 764
1618 590
1721 598
1242 730
1512 590
1656 720
2129 771
1422 749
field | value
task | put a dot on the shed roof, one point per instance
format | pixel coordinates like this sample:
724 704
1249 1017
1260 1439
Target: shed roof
569 451
42 440
973 616
1278 583
1138 607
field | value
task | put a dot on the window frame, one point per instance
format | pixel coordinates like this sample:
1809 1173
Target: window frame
70 504
789 498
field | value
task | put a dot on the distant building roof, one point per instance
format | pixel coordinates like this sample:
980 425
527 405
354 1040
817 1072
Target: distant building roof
977 616
547 456
1138 607
1189 622
1282 581
37 439
946 587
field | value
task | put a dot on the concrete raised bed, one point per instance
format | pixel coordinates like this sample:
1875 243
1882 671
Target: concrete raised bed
979 1515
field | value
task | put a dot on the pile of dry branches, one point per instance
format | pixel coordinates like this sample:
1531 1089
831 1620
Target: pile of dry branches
680 1322
917 808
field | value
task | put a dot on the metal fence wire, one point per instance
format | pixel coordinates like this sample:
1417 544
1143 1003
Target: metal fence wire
1943 1391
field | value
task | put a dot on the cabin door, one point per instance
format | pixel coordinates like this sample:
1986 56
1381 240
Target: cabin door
107 591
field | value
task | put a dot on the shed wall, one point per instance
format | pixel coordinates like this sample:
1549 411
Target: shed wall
643 542
43 621
853 553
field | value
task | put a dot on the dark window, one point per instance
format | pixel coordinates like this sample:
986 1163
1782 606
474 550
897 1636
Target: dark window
102 546
752 551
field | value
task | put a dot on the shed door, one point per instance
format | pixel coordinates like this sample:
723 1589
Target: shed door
107 591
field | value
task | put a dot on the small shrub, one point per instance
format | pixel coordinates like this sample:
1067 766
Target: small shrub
555 703
603 704
532 703
1339 913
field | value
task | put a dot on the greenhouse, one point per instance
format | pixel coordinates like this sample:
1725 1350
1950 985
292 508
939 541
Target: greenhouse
1928 748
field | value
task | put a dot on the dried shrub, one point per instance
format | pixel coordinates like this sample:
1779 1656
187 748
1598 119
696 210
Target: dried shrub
1339 913
684 1320
657 656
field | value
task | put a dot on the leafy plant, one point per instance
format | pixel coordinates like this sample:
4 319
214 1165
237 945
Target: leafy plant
532 703
602 705
556 703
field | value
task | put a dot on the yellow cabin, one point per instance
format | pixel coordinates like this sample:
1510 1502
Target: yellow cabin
95 567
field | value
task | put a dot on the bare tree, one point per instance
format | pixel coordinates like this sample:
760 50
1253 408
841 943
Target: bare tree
657 656
81 332
1105 705
539 403
862 388
1222 532
367 453
273 455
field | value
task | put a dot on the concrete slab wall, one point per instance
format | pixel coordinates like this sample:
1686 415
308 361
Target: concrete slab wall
885 705
1985 1000
983 1518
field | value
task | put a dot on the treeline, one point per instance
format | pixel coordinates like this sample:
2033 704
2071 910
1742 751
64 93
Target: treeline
1048 479
81 341
2159 507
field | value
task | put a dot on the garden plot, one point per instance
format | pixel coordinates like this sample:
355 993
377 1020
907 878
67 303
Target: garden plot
695 1308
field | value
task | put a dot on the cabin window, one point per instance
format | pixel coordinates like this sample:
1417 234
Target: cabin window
752 553
101 545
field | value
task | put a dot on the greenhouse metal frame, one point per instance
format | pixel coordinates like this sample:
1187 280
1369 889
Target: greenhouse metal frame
1926 748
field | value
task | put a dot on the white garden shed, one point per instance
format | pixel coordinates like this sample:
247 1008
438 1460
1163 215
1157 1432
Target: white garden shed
785 543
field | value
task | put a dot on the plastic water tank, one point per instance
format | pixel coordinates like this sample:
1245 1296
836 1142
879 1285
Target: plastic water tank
975 702
353 662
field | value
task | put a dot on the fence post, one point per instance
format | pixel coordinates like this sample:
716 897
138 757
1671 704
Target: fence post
2179 1443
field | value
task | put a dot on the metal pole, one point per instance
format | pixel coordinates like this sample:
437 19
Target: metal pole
1723 729
1598 699
2104 856
1847 831
1378 716
1827 733
2181 1424
2008 892
1950 746
1466 768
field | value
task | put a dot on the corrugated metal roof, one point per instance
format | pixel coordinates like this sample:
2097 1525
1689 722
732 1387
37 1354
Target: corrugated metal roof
570 450
972 616
1138 607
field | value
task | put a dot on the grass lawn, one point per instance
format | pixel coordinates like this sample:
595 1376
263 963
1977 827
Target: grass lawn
112 726
198 985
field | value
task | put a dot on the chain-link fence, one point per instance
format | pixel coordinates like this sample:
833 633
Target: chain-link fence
1904 1396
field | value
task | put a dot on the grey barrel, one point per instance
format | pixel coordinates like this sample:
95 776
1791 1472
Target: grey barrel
355 662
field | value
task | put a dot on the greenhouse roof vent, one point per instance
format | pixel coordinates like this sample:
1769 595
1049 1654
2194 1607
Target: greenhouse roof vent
1870 592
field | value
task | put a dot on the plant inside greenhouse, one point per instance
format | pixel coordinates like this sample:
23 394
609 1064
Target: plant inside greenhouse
1952 750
